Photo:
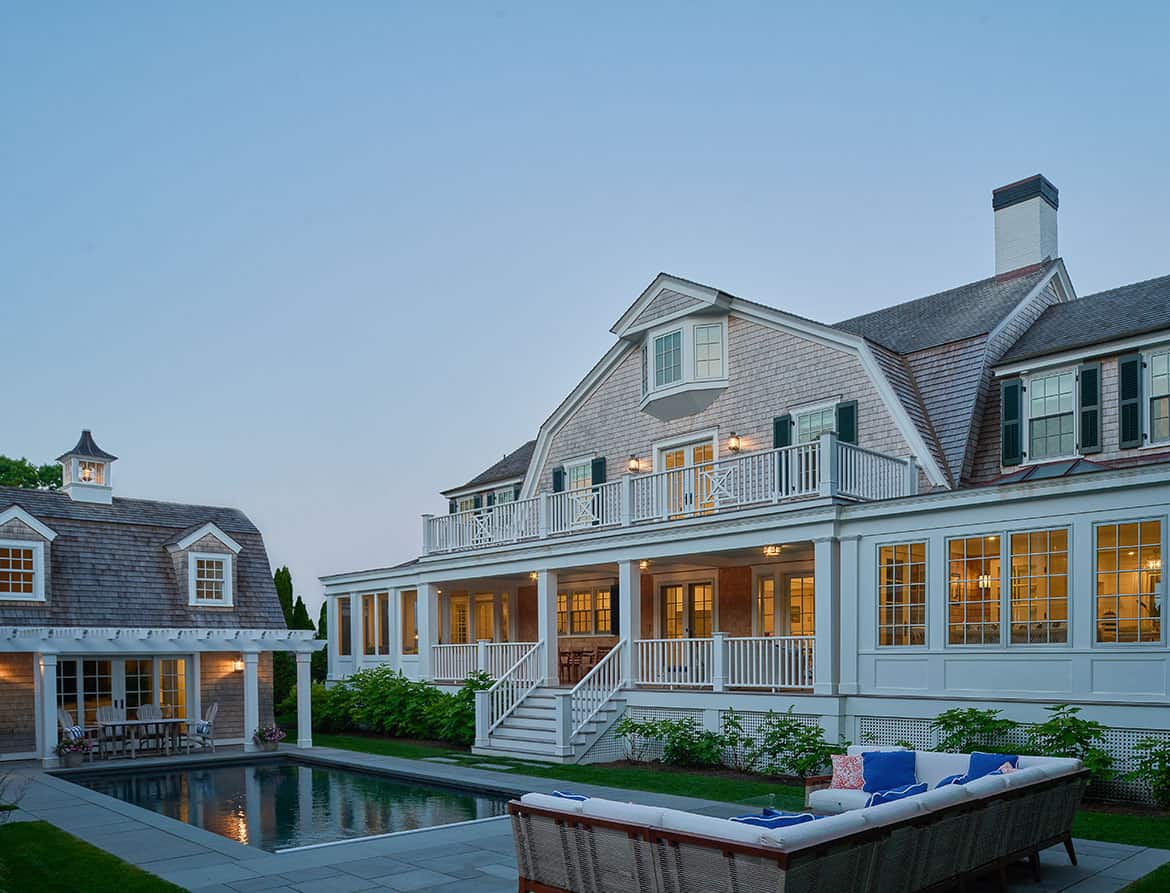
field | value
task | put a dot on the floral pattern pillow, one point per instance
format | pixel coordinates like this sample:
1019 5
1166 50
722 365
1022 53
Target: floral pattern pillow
847 773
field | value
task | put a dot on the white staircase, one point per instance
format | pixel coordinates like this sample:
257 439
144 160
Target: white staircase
519 718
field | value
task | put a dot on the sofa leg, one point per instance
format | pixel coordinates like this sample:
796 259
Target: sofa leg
1034 861
1068 846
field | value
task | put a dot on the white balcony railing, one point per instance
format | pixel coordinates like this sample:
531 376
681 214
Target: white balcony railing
825 467
674 663
770 662
773 663
454 663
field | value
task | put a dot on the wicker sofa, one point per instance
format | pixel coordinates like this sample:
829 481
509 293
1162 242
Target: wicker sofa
931 841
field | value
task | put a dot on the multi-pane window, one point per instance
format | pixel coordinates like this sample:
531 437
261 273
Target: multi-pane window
811 425
902 594
1129 582
1039 586
973 611
579 476
459 621
172 688
604 611
585 612
581 613
562 613
766 606
1160 397
1050 416
376 623
17 571
409 621
383 622
466 503
344 628
801 606
505 494
708 351
92 472
210 578
485 616
667 359
672 612
701 610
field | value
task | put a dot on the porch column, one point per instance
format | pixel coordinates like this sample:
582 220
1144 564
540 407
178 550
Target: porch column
850 606
333 637
304 700
356 642
251 698
546 623
630 616
426 621
47 666
827 610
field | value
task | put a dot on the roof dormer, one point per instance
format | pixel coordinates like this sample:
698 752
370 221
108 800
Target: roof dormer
85 471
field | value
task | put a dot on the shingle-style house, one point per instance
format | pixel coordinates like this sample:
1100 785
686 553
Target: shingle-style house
958 500
114 602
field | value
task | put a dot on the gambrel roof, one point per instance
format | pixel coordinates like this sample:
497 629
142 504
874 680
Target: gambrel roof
514 465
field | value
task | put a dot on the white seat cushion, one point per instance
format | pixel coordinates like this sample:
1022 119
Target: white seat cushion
548 801
834 800
894 811
1031 775
708 826
812 833
933 766
941 798
986 786
634 813
1053 767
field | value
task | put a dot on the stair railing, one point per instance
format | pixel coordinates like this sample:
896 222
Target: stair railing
494 705
597 687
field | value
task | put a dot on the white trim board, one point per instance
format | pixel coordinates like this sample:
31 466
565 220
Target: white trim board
16 513
209 528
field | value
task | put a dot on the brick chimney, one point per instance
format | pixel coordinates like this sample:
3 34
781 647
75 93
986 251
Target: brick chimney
1025 223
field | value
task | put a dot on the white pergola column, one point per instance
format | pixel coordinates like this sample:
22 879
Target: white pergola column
304 700
47 667
426 616
251 698
827 607
333 639
356 643
630 616
546 623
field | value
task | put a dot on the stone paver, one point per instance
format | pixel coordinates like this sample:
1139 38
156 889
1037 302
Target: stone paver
476 856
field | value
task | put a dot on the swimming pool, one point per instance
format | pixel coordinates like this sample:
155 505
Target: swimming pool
279 804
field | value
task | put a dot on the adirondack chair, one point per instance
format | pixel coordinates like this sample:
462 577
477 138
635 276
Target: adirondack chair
115 736
76 732
152 732
202 731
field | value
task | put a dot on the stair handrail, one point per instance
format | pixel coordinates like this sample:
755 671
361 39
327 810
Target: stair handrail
522 678
597 687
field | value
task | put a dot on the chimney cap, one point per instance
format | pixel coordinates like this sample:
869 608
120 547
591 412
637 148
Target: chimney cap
1022 190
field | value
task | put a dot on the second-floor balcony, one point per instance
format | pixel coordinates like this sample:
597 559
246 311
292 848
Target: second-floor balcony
823 468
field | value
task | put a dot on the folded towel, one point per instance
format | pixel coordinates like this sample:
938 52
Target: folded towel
202 727
569 795
879 797
75 733
772 818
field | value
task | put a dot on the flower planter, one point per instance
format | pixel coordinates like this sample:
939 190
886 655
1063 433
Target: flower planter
72 760
268 746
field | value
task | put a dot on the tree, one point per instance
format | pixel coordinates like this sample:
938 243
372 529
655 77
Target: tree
284 670
319 665
284 591
300 616
22 473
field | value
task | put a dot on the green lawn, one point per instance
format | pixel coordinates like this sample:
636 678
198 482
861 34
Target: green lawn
38 856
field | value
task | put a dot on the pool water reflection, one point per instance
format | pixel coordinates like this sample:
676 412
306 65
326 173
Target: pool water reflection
278 804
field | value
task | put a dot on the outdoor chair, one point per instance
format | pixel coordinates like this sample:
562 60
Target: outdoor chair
114 736
77 732
155 733
202 731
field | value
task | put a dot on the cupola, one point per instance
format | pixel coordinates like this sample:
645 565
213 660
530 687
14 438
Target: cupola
85 471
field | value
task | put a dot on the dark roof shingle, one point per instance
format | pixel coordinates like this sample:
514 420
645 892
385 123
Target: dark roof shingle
513 465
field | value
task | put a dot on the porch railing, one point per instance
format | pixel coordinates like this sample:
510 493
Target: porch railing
770 662
454 663
825 467
514 686
597 687
674 663
774 663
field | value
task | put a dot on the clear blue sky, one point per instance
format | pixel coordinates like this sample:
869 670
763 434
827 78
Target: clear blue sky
319 263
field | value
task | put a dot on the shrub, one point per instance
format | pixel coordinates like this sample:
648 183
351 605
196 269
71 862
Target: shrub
1064 734
639 736
1153 768
684 743
963 730
790 746
742 754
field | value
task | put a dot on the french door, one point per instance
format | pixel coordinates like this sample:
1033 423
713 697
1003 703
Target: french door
686 611
793 614
688 489
125 683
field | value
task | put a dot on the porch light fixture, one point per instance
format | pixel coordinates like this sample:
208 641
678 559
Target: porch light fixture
633 466
733 442
643 564
532 575
772 551
238 665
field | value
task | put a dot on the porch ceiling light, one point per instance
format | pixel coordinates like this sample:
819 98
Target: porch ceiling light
733 443
238 665
633 466
643 564
532 575
772 551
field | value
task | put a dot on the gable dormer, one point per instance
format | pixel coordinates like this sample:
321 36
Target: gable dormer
25 545
205 565
85 471
681 328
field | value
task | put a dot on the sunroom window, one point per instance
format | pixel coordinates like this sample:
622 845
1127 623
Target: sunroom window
1160 397
1051 407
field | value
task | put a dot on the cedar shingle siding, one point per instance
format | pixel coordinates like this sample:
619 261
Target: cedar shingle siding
17 704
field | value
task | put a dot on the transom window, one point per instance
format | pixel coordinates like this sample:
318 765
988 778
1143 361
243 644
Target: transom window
210 579
812 424
1160 397
1051 408
973 611
1129 582
667 359
1039 586
17 571
709 351
902 594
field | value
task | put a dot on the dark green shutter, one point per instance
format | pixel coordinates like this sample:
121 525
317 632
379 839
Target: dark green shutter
597 471
1090 411
516 491
452 506
478 501
1011 429
615 622
558 479
1129 400
491 499
847 421
782 431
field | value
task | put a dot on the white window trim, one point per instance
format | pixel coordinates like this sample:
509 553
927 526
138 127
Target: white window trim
592 589
1076 414
38 550
228 574
722 326
1122 646
688 379
877 597
578 462
685 440
652 369
1147 356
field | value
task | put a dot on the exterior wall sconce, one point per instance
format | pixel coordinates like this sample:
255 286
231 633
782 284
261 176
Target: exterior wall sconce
238 665
633 466
733 442
643 564
772 551
532 575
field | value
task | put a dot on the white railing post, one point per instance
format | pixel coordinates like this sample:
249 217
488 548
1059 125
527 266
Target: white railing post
828 464
483 717
481 655
718 661
542 519
627 500
910 488
427 534
563 726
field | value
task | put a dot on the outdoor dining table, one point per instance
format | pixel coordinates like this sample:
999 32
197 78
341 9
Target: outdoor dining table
133 727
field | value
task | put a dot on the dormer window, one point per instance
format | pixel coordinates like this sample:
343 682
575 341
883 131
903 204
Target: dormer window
210 579
1051 408
684 367
667 359
708 352
22 575
1160 396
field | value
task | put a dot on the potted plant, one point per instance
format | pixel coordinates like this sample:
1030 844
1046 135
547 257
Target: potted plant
71 751
268 737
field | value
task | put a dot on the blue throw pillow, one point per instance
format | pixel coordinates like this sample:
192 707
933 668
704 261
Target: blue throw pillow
951 779
568 795
880 797
985 763
771 818
884 770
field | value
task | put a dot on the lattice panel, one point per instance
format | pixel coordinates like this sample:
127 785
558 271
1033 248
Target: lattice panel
885 730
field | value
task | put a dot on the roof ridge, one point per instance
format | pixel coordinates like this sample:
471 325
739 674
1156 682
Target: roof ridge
1116 288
